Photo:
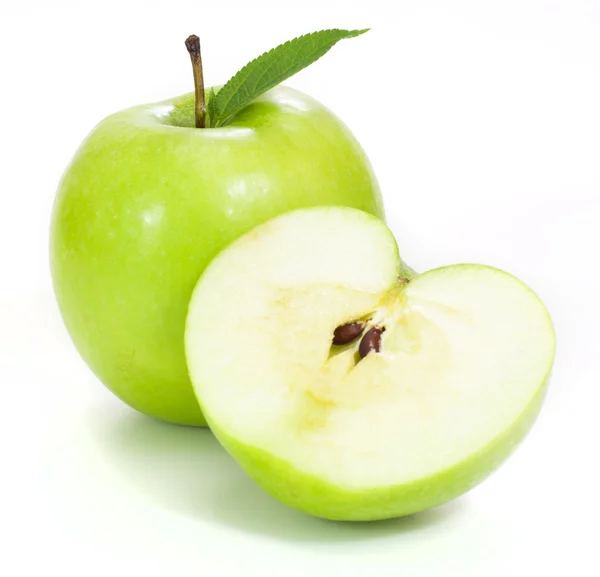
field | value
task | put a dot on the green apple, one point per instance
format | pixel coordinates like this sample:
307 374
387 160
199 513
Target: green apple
351 389
149 200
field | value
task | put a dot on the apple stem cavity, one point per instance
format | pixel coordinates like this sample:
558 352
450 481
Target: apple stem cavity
192 44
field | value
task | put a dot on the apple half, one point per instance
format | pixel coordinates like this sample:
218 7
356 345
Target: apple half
431 383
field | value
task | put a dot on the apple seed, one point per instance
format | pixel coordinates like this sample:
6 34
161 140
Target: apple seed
345 334
371 341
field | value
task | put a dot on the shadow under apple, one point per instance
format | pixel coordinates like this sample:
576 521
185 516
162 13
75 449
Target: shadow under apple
186 470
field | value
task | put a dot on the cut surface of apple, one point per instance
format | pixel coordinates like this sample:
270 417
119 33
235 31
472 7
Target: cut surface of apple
363 430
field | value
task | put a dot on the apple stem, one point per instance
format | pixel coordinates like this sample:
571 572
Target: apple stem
192 44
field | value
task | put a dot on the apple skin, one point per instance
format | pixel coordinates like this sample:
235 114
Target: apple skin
319 498
149 200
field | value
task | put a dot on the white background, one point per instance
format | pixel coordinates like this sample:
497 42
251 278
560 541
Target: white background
482 120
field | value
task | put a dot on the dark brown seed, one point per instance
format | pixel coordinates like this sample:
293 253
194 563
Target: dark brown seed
345 334
370 342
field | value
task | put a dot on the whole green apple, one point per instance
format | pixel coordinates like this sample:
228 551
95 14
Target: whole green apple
149 200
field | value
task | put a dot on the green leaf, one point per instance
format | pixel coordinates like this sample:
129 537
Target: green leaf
273 67
210 108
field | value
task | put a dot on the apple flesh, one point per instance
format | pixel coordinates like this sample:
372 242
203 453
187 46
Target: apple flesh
149 200
451 385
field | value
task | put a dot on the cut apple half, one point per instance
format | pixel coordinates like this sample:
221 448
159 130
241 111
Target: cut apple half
432 381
